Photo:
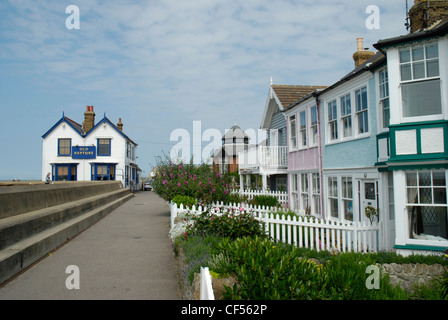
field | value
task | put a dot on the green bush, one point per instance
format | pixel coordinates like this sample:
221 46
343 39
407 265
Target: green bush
267 272
232 225
263 200
184 200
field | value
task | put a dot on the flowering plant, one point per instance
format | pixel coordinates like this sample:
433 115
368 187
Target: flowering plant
187 179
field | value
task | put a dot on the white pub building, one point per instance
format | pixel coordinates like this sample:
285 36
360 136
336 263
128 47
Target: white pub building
89 152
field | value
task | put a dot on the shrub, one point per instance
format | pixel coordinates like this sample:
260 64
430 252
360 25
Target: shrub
227 224
188 179
197 251
184 200
267 272
264 200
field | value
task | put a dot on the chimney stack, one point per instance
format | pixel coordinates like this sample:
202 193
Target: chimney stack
89 119
361 55
120 125
425 13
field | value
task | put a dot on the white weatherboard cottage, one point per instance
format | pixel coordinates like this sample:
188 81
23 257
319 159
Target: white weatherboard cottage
89 152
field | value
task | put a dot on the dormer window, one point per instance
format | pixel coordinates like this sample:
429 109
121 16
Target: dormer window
420 80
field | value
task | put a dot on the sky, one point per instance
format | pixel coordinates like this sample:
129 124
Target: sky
164 65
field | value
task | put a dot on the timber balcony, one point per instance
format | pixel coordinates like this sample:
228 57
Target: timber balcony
263 158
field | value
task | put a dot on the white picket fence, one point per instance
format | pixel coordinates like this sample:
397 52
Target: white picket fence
303 231
282 196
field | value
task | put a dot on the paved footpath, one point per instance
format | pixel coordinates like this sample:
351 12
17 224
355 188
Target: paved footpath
126 255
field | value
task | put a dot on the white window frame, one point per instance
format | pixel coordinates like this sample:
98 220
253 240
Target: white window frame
294 191
304 192
346 115
333 197
303 129
414 205
383 99
315 193
292 123
332 121
347 196
362 111
403 83
314 129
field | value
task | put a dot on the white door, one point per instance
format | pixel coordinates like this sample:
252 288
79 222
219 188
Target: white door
369 195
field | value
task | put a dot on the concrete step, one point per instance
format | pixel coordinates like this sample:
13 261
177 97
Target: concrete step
24 252
18 227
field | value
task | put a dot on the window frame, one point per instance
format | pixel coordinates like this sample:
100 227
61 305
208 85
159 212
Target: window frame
415 81
64 147
362 111
346 114
314 127
303 142
383 98
292 132
99 149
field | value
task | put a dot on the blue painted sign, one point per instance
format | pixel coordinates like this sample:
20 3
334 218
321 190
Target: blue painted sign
88 152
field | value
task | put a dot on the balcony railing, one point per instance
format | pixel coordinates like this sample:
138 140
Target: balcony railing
263 157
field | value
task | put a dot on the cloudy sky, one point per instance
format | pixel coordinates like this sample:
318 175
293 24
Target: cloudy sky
162 64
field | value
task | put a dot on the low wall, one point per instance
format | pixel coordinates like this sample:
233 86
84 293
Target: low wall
18 199
408 275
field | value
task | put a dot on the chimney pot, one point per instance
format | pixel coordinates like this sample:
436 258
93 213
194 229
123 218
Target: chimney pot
360 44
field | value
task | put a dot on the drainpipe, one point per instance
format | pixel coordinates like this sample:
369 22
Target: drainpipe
319 148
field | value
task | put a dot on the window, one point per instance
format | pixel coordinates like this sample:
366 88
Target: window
104 147
347 197
304 189
427 204
292 132
384 97
294 192
64 147
333 196
315 203
313 126
333 120
303 129
420 82
346 116
362 110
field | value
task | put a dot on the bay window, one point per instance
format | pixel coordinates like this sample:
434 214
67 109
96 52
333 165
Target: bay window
426 192
384 98
420 80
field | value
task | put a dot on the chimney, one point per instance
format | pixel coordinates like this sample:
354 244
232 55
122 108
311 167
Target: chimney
89 119
120 125
425 13
361 55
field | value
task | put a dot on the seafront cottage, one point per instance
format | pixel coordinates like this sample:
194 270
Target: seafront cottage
413 151
89 152
269 160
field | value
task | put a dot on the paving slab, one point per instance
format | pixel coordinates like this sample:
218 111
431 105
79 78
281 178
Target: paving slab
125 256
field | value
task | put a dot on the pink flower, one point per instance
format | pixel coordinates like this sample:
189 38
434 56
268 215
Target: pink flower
186 182
179 185
164 181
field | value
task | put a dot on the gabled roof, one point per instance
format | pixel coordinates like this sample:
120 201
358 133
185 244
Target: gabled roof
288 94
235 132
438 29
80 130
73 124
284 95
377 60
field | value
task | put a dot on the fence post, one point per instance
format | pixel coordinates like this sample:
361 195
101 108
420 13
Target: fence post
206 288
